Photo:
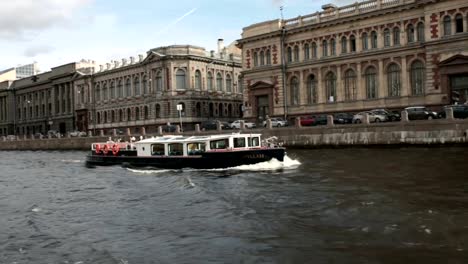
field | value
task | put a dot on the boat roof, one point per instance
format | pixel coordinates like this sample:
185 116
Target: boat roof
184 139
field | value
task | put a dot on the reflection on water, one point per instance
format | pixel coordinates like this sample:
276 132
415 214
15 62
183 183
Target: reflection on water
336 206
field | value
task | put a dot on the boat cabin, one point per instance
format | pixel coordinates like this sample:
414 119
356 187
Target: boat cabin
196 145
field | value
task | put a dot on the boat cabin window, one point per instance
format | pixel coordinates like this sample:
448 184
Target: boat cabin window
176 149
157 150
195 148
239 143
254 142
219 144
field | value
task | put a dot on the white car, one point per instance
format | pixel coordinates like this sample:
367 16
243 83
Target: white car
373 117
236 124
277 122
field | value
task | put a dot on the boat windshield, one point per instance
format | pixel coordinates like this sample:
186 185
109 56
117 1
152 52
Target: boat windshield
157 150
195 148
219 144
254 141
176 149
239 143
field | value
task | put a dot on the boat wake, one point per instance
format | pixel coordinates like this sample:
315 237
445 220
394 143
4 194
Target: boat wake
271 165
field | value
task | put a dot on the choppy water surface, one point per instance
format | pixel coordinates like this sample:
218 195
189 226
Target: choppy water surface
338 206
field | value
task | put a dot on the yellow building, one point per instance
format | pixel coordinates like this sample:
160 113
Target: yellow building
372 54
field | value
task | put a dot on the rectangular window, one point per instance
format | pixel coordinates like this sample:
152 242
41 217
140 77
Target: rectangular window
157 150
176 149
254 141
219 144
195 148
239 142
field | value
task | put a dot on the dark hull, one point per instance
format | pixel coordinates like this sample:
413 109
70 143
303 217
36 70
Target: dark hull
209 160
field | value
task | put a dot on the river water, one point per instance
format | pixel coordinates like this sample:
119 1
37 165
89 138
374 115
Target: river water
321 206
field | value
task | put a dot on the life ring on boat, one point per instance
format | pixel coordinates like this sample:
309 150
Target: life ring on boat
115 149
105 149
97 147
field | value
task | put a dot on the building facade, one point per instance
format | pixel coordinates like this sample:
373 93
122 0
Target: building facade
372 54
145 93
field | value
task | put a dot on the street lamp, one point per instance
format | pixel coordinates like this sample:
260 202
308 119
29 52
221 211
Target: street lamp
179 109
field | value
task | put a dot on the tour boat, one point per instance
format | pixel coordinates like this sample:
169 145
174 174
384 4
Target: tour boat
177 152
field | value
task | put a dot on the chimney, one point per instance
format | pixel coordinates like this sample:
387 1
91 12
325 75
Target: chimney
101 67
124 62
220 45
132 60
212 53
140 57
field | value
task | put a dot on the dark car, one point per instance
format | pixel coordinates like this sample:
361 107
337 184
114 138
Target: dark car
320 120
420 113
343 118
392 116
307 121
459 111
169 128
213 125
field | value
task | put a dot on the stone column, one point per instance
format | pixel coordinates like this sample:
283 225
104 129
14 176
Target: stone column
268 124
160 130
218 126
404 116
128 132
330 121
449 113
365 119
177 129
197 128
340 95
359 85
297 122
143 131
101 132
405 83
114 132
381 80
321 93
242 125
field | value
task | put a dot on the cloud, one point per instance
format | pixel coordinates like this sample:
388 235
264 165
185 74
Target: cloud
36 50
173 23
20 18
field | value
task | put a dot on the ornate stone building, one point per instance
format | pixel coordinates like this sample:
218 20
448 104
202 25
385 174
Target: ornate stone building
371 54
144 93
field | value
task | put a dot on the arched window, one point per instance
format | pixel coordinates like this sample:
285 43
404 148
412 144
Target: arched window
146 114
106 120
129 114
420 31
198 110
371 83
289 54
113 116
128 88
394 80
198 81
136 86
344 45
447 26
332 47
137 113
255 58
104 92
159 81
311 90
121 115
350 85
387 37
268 57
330 87
262 58
99 118
352 43
410 33
210 81
458 23
306 52
97 93
228 83
325 48
396 36
417 78
314 50
365 41
219 82
296 53
120 89
373 40
158 111
145 84
180 80
112 90
294 95
240 84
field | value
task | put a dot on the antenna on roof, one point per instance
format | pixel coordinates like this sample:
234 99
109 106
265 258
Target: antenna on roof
281 11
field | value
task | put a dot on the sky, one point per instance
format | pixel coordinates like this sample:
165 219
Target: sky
57 32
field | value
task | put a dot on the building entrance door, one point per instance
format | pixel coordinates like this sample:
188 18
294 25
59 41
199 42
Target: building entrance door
263 107
459 85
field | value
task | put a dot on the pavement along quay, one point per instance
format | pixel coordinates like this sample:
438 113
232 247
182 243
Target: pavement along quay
438 132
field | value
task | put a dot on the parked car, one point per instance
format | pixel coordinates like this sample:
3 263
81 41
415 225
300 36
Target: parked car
169 128
307 121
213 125
420 113
373 117
53 133
236 124
343 118
38 135
11 137
277 122
459 111
320 120
392 116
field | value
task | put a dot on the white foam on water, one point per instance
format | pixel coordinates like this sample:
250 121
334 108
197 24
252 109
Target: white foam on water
36 209
71 161
146 171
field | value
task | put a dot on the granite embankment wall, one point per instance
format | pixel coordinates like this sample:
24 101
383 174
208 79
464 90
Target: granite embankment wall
421 133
